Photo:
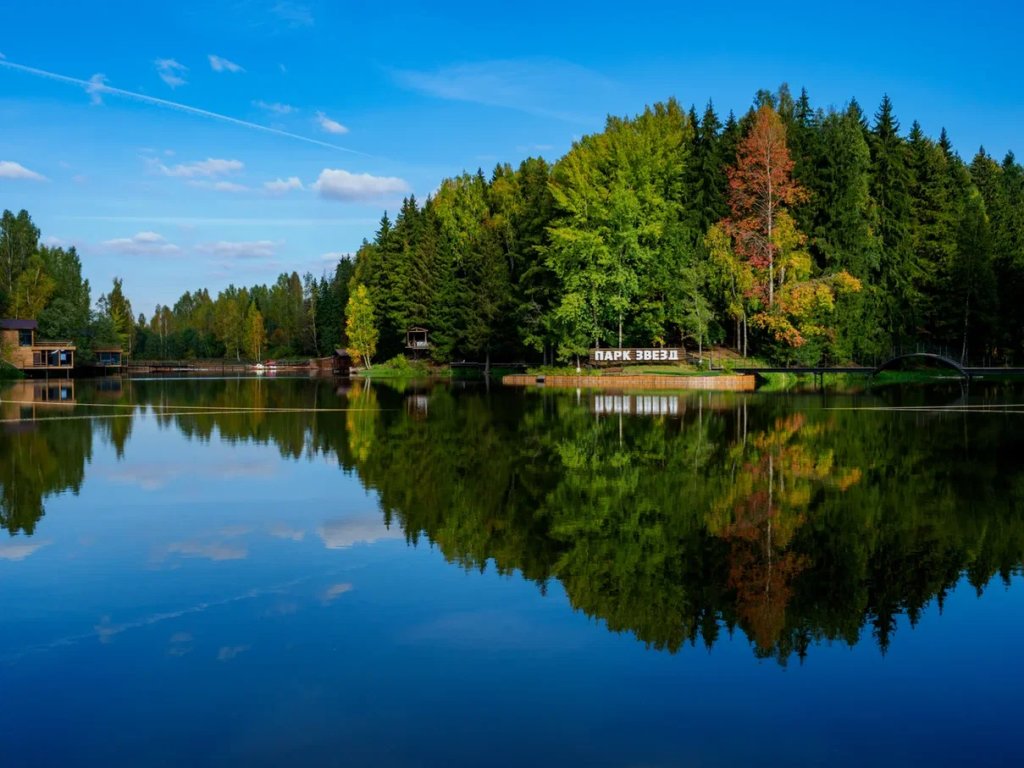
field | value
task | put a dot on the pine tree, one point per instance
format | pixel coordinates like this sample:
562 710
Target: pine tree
972 285
842 229
890 192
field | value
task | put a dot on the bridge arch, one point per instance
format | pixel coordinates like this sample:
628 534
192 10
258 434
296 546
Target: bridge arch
942 360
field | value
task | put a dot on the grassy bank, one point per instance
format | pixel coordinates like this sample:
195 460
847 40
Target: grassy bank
9 373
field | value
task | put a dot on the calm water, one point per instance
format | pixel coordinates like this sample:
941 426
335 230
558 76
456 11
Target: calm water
268 572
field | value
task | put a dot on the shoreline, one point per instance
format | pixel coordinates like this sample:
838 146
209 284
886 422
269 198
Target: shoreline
728 383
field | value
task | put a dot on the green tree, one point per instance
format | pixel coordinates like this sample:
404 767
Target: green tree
32 289
361 326
255 333
118 310
19 240
890 183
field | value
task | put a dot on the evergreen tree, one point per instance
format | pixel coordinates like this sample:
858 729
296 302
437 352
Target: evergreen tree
890 192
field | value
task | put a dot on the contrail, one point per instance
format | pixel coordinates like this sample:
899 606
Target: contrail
97 86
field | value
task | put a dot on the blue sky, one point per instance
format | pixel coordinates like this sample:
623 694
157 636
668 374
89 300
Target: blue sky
128 155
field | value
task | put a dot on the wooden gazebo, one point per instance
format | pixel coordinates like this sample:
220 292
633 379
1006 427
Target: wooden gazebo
417 339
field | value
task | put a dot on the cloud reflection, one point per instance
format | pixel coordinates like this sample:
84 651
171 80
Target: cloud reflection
226 653
155 476
335 591
19 550
208 550
346 532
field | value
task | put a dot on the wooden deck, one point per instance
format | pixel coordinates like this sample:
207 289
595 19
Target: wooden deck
727 383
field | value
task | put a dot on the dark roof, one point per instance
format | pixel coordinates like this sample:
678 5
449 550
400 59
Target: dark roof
18 325
417 329
341 353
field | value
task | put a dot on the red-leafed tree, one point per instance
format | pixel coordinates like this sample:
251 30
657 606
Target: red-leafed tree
786 299
760 187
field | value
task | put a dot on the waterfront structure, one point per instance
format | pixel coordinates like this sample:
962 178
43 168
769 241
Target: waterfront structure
26 352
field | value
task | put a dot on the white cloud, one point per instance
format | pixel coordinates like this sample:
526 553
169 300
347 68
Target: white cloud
171 72
330 126
19 550
11 170
280 186
220 186
2 56
333 257
337 184
142 244
294 14
96 86
241 249
274 106
220 64
211 166
539 86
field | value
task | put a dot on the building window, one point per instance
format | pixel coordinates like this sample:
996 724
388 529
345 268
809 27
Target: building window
25 338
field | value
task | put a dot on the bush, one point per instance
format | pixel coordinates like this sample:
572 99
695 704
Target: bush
399 367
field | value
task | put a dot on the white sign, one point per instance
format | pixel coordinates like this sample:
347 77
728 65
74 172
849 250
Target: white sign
633 355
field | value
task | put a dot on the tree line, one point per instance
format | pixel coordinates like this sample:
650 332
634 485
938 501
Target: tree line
44 283
796 233
293 317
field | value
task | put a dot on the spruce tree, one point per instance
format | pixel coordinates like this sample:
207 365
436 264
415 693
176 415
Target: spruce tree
890 192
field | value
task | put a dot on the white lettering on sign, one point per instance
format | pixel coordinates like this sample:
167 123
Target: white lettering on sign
645 405
631 355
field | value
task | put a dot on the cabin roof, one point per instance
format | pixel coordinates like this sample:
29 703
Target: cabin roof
11 324
417 329
341 353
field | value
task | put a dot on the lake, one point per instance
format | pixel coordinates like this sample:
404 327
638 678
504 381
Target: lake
256 572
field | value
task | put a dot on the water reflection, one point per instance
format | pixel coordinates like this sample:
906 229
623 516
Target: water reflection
796 520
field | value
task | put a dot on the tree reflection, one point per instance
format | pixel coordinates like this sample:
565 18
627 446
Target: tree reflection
790 522
40 458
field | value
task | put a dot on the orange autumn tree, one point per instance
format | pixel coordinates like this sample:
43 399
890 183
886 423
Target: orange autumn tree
785 298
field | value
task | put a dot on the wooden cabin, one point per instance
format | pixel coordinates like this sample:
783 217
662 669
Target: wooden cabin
28 353
109 357
418 340
342 362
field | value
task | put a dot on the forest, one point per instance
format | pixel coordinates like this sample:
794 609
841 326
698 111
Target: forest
795 233
45 283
